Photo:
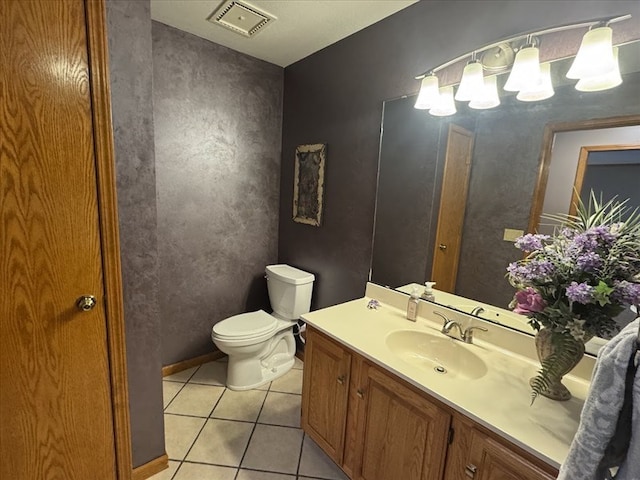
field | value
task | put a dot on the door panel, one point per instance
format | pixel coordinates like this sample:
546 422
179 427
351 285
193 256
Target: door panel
55 399
453 202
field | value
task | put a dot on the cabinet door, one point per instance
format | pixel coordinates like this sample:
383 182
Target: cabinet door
325 392
492 461
402 434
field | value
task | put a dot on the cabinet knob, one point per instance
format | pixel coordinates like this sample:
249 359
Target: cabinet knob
470 470
442 247
360 393
86 303
341 379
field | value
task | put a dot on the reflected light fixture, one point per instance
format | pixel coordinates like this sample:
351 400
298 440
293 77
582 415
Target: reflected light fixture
543 90
472 82
445 105
429 93
605 81
489 97
525 74
595 56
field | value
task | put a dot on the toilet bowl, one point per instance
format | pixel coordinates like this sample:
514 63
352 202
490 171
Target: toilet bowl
260 345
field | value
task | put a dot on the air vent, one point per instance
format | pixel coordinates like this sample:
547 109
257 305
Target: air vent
241 18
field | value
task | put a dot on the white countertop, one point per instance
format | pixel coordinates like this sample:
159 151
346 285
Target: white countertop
499 400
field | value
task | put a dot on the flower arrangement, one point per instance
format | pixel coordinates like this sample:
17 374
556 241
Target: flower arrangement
576 281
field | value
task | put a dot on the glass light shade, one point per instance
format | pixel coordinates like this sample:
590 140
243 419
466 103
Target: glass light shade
489 97
446 105
543 90
595 56
525 73
429 93
602 82
472 83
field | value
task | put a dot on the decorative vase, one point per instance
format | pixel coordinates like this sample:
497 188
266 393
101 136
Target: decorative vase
569 353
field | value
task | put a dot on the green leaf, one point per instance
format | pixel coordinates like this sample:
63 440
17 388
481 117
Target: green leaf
602 292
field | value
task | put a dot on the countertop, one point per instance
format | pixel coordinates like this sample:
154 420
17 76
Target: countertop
499 400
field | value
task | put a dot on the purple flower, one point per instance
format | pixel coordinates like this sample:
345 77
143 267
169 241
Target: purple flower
528 301
530 242
626 293
589 262
534 270
603 234
580 292
582 242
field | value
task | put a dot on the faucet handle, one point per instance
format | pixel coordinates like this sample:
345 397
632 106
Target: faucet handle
443 316
467 336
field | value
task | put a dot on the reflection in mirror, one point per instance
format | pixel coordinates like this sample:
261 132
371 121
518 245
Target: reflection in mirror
509 170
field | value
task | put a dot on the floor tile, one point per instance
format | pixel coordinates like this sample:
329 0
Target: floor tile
240 405
274 449
182 376
255 475
222 442
179 434
315 463
197 471
167 474
265 386
212 373
290 382
196 400
297 364
169 390
281 409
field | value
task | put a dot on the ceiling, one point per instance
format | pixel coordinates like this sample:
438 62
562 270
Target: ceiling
301 28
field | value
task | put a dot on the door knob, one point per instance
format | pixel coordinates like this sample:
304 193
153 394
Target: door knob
86 303
442 246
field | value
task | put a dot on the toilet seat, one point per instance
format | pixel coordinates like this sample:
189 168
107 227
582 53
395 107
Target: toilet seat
246 326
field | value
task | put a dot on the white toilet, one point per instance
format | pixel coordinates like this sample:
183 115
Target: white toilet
261 346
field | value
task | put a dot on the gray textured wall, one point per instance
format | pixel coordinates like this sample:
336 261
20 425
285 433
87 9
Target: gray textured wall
129 34
218 120
336 95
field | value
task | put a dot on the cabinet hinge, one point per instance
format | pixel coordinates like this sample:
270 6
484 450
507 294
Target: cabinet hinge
450 439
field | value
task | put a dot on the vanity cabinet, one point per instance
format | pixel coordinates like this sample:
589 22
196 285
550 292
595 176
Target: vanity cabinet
378 427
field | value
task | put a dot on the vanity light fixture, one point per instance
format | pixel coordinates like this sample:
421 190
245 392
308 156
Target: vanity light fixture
606 81
595 66
489 97
472 82
595 56
525 74
445 105
429 93
540 91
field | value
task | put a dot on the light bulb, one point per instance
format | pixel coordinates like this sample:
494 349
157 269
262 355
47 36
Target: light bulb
472 82
595 56
489 97
525 73
606 81
445 105
429 93
541 91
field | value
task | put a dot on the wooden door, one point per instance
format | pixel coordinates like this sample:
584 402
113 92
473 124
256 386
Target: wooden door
453 201
325 393
401 434
56 408
492 461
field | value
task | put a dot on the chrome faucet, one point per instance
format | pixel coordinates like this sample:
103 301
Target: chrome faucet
465 335
477 310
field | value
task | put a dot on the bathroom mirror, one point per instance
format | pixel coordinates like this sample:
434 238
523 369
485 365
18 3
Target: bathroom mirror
511 162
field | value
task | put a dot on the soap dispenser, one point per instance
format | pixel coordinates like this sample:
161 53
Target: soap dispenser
412 306
428 293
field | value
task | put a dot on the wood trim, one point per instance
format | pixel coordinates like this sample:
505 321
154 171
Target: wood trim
191 362
149 469
548 136
582 169
108 213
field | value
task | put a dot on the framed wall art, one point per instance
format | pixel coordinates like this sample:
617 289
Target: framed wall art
308 183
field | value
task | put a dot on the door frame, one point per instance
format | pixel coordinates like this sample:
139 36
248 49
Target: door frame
95 13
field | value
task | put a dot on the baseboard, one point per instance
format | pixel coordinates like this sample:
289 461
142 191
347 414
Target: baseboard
151 468
191 362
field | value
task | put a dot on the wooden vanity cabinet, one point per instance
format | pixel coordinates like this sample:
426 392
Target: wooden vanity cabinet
325 386
377 427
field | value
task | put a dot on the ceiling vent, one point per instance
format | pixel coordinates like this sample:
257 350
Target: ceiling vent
241 18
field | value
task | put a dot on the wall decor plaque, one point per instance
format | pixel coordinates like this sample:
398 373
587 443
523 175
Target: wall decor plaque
308 183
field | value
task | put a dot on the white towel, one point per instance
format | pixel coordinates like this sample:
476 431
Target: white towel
601 410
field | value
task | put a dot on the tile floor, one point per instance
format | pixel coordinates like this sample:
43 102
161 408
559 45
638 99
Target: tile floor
212 433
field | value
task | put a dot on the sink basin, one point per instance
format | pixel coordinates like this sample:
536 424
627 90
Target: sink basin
436 353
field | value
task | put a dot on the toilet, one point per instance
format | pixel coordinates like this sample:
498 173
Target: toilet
261 346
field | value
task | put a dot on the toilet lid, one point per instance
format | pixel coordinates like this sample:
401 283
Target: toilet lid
246 325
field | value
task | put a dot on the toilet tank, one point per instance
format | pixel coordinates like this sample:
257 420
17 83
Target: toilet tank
289 290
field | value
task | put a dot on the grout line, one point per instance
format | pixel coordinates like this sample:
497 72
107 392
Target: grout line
255 424
174 397
304 435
